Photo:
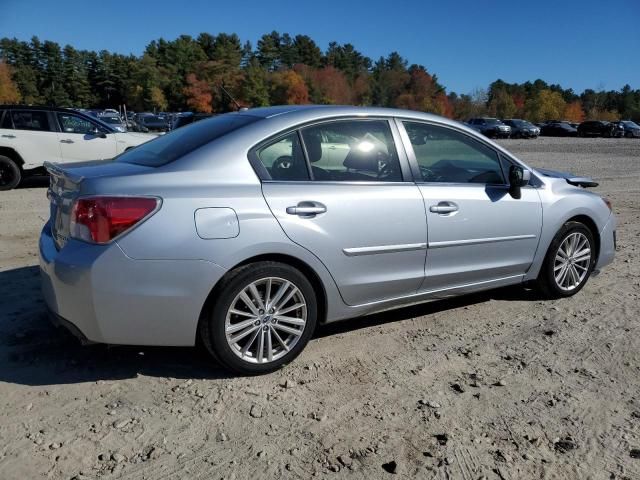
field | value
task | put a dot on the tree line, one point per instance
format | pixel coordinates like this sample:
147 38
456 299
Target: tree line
192 74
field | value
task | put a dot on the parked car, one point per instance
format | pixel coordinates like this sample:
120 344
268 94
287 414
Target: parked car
491 127
558 129
629 129
152 122
598 128
183 119
522 128
29 136
110 117
243 231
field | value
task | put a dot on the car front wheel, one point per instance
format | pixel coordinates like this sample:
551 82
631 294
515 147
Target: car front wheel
263 316
569 261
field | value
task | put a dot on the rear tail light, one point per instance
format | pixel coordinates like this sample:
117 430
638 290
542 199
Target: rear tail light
100 219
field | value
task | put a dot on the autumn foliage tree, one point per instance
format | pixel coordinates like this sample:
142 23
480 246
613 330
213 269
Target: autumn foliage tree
8 89
198 94
189 73
288 88
573 112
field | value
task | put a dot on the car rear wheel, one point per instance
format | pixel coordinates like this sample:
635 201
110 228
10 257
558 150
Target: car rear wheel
262 317
10 173
569 261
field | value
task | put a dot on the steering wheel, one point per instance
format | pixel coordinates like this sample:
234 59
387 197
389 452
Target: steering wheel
386 170
283 163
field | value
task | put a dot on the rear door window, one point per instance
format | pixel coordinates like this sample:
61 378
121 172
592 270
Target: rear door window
352 150
30 120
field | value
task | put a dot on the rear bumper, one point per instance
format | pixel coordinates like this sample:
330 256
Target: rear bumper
607 243
110 298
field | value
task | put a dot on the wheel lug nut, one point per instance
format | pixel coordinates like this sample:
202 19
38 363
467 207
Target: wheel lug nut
271 311
257 323
265 328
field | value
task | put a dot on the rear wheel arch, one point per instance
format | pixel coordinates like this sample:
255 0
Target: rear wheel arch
300 265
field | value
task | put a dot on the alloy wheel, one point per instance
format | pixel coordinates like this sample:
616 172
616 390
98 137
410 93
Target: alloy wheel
265 320
572 262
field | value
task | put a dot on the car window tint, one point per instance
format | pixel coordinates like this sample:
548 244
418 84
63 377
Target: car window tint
352 150
5 120
284 159
75 124
30 120
445 155
180 142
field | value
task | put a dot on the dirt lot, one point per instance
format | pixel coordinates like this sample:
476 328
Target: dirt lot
500 385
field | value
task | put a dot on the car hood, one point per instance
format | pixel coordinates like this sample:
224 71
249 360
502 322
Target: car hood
569 177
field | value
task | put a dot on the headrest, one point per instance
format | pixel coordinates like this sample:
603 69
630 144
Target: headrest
359 160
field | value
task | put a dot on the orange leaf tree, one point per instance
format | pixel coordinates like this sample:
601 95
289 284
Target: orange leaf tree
198 94
8 89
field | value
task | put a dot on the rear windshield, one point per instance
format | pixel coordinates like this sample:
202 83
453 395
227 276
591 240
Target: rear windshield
167 148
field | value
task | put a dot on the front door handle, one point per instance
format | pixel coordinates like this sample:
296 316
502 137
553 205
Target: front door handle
66 141
444 207
8 136
307 209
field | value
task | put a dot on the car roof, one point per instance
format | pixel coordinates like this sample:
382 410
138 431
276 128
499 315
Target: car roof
303 113
41 107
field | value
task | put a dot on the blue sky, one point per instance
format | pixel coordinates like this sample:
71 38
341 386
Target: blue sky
467 44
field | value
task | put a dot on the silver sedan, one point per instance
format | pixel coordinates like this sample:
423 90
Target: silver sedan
247 230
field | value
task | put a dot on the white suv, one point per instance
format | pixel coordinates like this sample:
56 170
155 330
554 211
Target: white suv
29 136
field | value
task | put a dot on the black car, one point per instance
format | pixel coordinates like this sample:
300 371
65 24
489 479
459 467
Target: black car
522 128
153 123
490 127
558 129
599 128
630 129
183 119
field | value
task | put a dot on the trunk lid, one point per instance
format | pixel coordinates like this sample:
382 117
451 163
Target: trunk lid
68 181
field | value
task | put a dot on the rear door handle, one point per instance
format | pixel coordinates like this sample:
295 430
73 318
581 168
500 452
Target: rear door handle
8 136
307 209
66 141
444 207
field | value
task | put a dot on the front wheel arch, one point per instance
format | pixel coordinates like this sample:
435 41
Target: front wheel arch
591 225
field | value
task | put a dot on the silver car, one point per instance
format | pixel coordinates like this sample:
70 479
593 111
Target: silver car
248 229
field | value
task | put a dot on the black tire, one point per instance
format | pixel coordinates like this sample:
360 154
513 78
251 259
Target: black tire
212 326
10 174
546 281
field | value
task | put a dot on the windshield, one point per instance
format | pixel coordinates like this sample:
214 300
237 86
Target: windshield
170 147
629 123
493 121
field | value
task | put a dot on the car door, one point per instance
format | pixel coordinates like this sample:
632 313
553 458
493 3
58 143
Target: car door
477 232
81 139
362 220
32 136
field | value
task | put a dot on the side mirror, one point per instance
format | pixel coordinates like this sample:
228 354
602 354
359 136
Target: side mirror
518 178
96 132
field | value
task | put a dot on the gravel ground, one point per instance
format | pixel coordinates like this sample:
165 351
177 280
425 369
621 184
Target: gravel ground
499 385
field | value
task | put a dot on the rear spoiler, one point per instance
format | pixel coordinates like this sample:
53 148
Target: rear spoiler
584 182
56 170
